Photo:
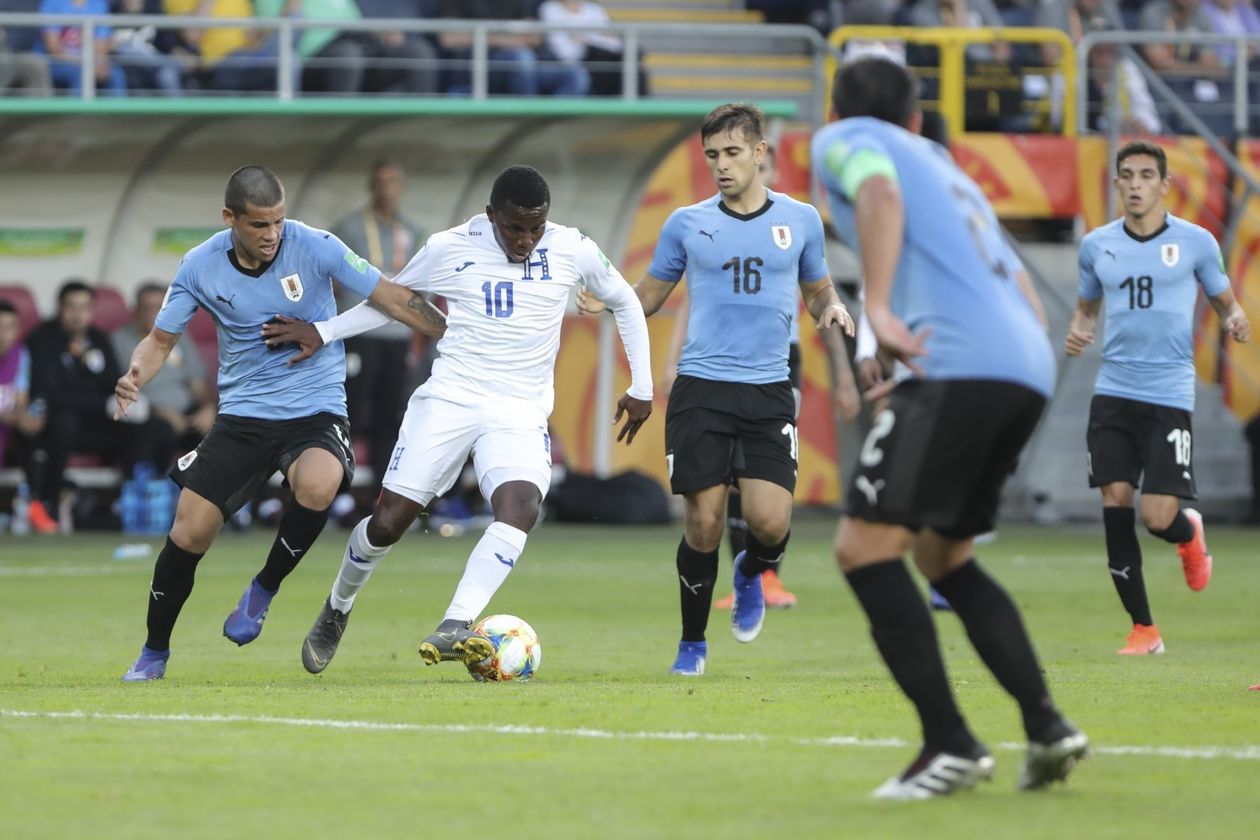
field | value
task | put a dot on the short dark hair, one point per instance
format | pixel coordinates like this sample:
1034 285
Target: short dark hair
147 287
873 86
748 119
523 186
384 163
1143 147
252 184
72 286
7 308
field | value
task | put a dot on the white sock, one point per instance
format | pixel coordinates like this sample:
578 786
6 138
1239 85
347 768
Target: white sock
356 567
488 566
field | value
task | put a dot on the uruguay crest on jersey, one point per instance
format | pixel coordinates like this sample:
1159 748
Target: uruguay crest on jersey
782 236
1170 253
292 286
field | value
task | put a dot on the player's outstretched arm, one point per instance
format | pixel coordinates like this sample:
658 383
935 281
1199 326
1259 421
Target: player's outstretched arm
650 291
146 360
1232 315
677 338
1081 330
409 307
880 216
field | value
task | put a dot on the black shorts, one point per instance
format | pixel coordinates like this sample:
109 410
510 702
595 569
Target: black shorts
716 432
938 456
241 453
1130 440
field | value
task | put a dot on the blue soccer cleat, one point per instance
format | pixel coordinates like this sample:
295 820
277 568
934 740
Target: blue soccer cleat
246 621
150 666
690 659
937 601
749 610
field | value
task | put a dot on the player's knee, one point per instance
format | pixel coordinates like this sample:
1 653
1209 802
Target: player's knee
769 530
1157 521
519 512
387 526
316 495
704 529
191 537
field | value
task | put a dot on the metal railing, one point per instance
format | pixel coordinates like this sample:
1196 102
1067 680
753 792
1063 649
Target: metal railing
952 43
634 37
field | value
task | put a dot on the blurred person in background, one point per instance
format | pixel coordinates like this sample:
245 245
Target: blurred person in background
64 44
514 62
141 52
181 402
595 52
376 363
21 67
1232 17
15 382
73 370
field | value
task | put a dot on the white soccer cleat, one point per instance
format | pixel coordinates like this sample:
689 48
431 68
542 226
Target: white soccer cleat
937 774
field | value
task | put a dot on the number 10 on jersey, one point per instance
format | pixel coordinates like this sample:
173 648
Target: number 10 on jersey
498 298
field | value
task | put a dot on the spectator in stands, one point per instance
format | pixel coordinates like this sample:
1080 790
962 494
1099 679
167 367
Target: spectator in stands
1132 98
597 53
64 45
341 62
15 382
1232 17
419 74
1182 59
145 65
376 362
233 58
180 399
514 63
968 14
20 65
1077 18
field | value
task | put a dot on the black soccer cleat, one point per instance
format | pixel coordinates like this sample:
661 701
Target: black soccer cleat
321 643
1052 760
452 641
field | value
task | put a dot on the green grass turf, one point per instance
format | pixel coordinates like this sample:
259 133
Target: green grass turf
604 601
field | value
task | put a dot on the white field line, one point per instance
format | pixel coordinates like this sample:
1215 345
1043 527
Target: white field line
1243 753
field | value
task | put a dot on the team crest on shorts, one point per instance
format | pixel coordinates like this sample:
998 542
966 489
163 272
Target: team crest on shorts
1170 253
782 236
292 287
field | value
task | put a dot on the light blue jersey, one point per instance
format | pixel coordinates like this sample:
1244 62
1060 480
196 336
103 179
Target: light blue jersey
743 275
1149 286
957 276
255 381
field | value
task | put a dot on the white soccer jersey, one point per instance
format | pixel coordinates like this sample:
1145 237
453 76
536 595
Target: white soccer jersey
504 318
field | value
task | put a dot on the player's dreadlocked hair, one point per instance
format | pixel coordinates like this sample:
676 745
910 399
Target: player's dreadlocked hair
735 117
1143 147
254 185
523 186
873 86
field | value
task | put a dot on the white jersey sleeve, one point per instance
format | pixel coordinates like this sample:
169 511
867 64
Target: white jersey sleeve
606 283
364 317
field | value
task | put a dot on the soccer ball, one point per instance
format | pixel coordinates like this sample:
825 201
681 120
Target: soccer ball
517 651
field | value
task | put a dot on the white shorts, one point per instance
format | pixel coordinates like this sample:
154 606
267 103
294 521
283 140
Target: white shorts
508 441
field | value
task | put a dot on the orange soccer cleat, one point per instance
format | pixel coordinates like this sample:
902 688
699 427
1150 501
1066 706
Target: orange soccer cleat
40 521
1254 687
776 596
1195 560
1144 639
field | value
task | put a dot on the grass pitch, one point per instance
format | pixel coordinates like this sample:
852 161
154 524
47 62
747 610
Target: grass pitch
784 737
